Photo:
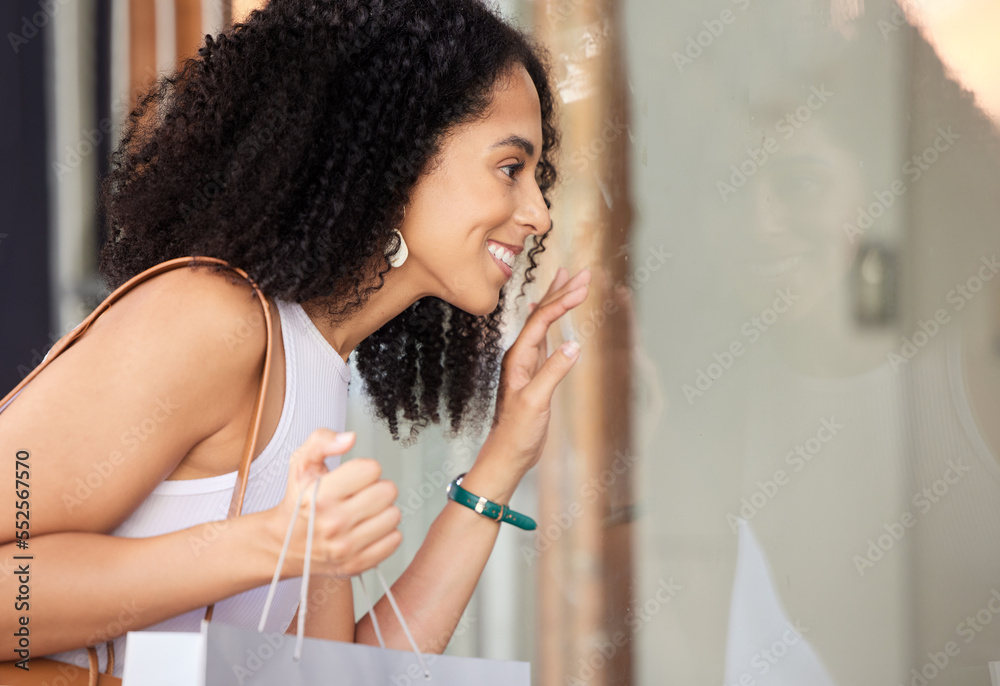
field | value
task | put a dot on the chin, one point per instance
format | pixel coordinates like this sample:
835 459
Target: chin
474 295
480 307
487 309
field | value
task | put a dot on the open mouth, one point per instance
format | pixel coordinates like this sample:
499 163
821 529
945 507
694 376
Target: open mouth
503 257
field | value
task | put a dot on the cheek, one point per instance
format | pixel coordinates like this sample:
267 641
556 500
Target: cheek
457 215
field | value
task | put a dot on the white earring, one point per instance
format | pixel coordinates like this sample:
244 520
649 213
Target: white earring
401 254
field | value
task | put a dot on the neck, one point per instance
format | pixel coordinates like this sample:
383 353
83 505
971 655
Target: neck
397 294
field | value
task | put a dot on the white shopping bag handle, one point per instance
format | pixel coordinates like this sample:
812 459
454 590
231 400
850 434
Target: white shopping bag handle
300 629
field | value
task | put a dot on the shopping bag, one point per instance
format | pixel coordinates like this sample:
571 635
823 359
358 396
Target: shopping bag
242 657
165 658
224 655
246 657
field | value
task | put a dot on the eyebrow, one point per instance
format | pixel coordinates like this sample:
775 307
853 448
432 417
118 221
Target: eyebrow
518 142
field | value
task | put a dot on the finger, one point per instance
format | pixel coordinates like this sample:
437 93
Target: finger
532 306
374 528
560 278
307 462
537 325
581 279
373 554
349 478
368 502
555 370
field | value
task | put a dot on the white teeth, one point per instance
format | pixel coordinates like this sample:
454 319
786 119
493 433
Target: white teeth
502 253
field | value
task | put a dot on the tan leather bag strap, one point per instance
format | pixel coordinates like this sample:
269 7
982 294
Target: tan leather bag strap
94 667
236 504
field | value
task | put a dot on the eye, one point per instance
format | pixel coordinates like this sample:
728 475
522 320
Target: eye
516 167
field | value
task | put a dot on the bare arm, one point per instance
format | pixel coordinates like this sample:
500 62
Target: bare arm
436 587
86 588
114 415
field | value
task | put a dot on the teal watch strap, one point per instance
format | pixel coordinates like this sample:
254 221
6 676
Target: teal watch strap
488 508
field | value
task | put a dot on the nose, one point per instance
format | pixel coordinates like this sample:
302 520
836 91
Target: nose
533 210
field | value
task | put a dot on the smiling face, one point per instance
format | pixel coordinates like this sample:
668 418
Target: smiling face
783 227
483 193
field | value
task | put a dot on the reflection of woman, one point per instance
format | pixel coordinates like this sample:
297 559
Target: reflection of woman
877 539
291 148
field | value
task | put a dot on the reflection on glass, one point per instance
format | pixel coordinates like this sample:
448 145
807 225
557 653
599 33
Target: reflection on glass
828 491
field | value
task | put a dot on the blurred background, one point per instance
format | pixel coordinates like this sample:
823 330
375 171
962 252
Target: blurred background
776 461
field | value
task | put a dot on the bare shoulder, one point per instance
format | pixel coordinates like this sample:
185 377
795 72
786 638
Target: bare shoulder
165 367
199 296
202 325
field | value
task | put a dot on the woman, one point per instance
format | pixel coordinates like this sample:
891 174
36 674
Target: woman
294 147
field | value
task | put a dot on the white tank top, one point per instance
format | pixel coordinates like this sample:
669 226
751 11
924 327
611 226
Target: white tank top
909 445
316 384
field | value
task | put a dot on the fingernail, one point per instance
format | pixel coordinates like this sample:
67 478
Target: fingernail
570 349
343 438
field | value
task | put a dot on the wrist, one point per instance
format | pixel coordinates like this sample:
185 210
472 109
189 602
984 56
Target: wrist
492 475
274 526
498 512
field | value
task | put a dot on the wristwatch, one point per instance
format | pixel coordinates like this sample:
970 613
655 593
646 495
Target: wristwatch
487 508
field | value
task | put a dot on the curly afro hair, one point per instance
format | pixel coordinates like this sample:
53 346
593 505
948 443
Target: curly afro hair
288 146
